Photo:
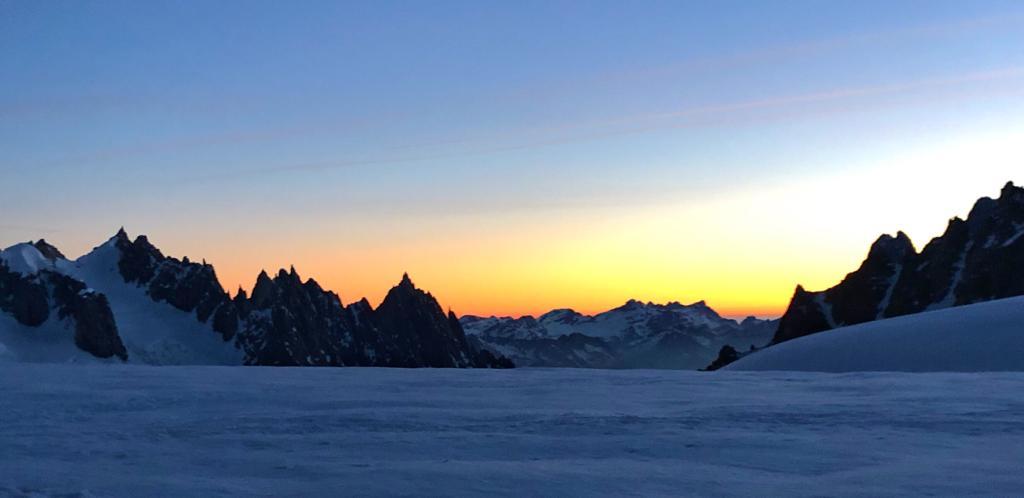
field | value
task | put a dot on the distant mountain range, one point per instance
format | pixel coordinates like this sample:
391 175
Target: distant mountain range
634 335
975 260
127 301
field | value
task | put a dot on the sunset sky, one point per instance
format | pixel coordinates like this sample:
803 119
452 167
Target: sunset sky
513 157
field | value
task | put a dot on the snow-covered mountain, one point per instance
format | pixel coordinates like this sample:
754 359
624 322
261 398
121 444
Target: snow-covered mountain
126 301
978 337
977 259
634 335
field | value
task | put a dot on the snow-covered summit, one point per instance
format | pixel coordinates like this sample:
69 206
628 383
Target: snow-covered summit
25 258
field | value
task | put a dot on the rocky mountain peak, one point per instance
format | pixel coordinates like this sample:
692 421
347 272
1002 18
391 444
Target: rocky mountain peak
263 291
977 259
47 250
1011 193
139 259
891 248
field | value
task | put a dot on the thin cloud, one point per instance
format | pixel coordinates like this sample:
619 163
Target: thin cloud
641 123
690 67
704 65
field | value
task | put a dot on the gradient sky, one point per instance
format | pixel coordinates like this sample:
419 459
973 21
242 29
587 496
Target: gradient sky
512 157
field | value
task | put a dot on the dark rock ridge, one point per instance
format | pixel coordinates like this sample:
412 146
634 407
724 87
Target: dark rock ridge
189 287
977 259
286 321
634 335
291 322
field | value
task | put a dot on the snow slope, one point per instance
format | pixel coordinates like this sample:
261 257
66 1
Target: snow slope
153 332
131 430
986 336
51 342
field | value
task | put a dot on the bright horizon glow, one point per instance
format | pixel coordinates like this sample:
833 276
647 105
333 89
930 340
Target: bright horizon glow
511 162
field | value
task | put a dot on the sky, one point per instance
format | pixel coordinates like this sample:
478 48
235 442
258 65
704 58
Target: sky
513 157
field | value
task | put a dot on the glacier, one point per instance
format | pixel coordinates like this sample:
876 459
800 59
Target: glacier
140 430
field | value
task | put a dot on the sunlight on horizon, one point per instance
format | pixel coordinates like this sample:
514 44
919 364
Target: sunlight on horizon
679 152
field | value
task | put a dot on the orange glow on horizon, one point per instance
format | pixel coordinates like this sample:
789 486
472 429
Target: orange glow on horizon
741 250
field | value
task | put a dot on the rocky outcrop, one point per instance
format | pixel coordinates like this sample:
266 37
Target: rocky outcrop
25 298
95 328
726 355
977 259
33 299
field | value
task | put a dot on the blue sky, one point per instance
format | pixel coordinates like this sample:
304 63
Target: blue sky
212 124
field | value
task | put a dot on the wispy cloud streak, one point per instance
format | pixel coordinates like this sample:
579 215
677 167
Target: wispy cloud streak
550 90
952 86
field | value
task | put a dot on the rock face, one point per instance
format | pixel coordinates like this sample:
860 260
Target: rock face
286 321
726 355
634 335
292 323
420 333
95 328
189 287
974 260
35 298
26 299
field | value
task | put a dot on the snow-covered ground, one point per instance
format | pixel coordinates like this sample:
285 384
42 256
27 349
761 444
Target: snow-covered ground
133 430
986 336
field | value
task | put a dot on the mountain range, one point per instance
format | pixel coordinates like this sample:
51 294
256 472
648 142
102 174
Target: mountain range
634 335
126 301
975 260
